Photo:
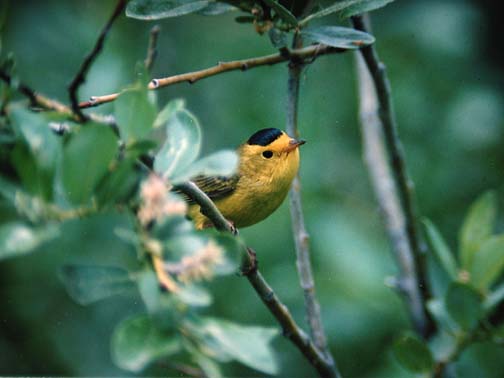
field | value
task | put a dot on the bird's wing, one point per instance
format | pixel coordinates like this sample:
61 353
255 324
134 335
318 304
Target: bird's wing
215 187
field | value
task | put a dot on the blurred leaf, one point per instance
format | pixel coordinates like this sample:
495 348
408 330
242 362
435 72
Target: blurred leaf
464 305
159 9
134 113
249 345
348 8
18 239
136 343
495 297
488 263
363 6
34 127
159 304
119 184
413 354
140 147
180 246
220 163
278 38
477 227
90 283
182 145
35 180
86 159
440 248
282 12
7 189
194 296
209 366
437 308
168 111
215 8
338 36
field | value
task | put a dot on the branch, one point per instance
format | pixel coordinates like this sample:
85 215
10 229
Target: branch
290 329
310 52
207 207
301 236
152 48
393 188
80 77
46 103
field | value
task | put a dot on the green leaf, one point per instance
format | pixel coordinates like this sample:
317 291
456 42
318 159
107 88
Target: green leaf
134 113
488 263
34 128
86 159
437 308
478 226
278 38
194 296
363 6
347 9
168 111
463 303
119 184
182 145
220 163
441 250
282 12
413 354
90 283
249 345
159 9
215 8
495 297
338 36
136 343
17 239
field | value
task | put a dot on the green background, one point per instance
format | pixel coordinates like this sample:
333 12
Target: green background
446 73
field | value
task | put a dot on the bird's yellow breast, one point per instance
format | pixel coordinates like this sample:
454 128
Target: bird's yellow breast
260 190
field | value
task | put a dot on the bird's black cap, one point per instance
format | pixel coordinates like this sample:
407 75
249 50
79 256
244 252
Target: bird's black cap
264 137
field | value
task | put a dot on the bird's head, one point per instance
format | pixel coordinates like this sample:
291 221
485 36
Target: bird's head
271 152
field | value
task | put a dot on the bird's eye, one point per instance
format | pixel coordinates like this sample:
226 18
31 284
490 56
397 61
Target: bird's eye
267 154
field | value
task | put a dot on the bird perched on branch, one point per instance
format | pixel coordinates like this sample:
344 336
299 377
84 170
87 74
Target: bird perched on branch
268 162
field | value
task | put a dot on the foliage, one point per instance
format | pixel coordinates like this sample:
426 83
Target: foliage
108 188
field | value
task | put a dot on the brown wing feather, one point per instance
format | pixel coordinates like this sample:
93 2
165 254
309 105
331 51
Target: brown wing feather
215 187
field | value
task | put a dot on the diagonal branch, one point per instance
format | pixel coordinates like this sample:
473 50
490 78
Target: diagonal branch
393 187
152 48
301 236
310 52
80 77
291 330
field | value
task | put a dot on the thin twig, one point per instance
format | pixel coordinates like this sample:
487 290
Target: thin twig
152 48
301 236
391 183
291 330
46 103
80 77
310 52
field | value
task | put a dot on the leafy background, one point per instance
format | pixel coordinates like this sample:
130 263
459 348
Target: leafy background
447 84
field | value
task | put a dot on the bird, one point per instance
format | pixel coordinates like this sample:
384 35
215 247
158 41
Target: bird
268 163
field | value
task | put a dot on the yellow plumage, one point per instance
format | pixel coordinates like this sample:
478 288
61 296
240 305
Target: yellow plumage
268 162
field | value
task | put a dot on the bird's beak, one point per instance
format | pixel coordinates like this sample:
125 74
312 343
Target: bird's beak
294 143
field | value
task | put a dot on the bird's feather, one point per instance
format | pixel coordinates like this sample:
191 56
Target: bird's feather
215 187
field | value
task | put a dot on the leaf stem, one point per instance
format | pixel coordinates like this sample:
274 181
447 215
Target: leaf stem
391 183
